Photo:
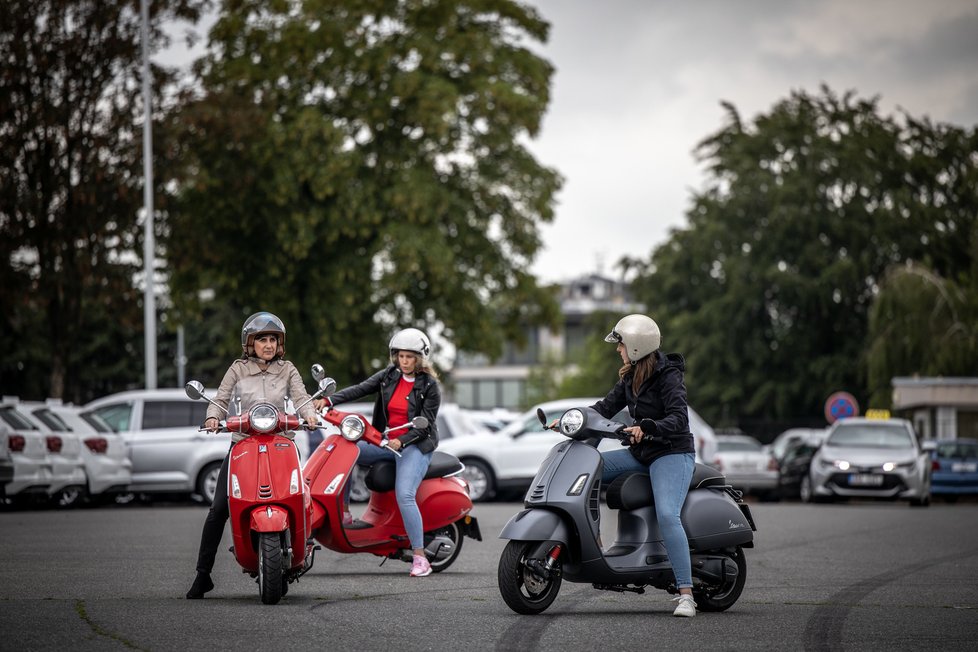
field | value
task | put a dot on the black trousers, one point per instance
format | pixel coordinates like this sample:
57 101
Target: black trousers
210 537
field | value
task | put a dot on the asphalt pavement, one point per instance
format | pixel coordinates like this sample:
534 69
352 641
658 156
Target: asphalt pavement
854 576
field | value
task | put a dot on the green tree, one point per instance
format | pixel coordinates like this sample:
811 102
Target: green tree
767 291
357 166
70 190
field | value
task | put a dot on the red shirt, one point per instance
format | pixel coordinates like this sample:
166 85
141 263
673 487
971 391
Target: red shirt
397 408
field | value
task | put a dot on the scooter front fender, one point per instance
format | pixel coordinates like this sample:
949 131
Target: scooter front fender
536 525
270 518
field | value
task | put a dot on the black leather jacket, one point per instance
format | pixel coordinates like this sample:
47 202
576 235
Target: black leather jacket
423 400
659 407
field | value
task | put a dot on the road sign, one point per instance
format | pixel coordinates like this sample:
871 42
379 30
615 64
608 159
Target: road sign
840 405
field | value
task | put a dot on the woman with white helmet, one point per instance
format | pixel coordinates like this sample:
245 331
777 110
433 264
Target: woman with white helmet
405 389
652 386
261 374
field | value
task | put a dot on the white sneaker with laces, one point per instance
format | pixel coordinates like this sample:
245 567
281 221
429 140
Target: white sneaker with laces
686 607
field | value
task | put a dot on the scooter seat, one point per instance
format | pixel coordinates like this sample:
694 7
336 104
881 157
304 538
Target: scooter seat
634 490
382 475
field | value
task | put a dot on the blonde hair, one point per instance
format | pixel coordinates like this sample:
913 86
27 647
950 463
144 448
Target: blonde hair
642 370
421 365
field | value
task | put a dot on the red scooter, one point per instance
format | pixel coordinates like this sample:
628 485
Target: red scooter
270 506
442 497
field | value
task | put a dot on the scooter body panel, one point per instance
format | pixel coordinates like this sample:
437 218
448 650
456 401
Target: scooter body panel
536 525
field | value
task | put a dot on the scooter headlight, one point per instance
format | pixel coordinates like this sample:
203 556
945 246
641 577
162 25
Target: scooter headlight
263 417
571 422
352 427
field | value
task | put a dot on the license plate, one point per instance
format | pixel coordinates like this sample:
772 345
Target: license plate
865 480
964 467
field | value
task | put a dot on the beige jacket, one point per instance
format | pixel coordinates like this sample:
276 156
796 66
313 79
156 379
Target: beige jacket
246 381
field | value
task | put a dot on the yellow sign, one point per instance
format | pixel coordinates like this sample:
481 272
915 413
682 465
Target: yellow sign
877 414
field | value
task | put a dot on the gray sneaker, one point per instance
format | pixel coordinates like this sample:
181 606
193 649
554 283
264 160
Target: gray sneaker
686 607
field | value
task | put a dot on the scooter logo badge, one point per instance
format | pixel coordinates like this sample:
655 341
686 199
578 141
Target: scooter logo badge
240 455
736 526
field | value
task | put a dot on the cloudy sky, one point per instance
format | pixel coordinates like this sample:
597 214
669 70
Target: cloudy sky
639 83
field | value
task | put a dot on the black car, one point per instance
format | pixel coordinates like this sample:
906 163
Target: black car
794 466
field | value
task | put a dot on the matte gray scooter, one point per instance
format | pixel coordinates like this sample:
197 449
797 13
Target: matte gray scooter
556 537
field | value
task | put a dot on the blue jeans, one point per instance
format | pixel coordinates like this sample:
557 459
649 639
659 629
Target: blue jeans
411 467
670 476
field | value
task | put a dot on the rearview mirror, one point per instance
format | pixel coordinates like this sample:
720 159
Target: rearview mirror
326 385
419 422
318 373
542 416
195 391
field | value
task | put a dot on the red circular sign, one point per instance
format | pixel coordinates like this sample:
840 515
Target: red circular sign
840 405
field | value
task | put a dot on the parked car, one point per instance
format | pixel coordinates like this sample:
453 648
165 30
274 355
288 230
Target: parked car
64 456
747 465
869 458
168 451
108 469
954 468
25 473
792 436
493 420
506 461
794 465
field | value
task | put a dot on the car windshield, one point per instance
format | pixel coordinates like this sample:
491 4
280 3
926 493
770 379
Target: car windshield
866 436
15 420
737 445
958 449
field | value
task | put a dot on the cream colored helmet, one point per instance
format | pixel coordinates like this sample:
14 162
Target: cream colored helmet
410 339
638 333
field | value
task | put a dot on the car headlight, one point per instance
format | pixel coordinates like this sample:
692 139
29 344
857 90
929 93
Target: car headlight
571 422
263 417
352 427
841 465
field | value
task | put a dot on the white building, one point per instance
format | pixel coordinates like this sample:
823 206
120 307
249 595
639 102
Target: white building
940 408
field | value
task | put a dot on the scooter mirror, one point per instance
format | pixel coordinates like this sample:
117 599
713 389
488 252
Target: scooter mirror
195 391
419 422
318 373
326 385
542 416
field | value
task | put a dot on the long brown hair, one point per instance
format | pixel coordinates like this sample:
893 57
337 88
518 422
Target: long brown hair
642 371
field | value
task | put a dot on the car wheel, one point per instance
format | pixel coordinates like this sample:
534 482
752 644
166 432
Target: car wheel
805 489
358 486
478 475
207 482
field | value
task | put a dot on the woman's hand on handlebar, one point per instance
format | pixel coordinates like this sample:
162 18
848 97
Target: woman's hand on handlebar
321 403
632 434
394 444
212 424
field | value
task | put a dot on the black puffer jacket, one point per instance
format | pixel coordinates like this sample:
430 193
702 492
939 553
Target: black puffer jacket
660 408
424 400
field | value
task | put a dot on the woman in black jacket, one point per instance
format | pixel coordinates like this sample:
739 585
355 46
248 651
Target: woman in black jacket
651 385
406 389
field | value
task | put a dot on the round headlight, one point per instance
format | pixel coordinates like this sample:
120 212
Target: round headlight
352 427
263 417
571 422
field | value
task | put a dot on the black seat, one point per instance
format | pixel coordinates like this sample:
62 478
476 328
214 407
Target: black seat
634 490
382 475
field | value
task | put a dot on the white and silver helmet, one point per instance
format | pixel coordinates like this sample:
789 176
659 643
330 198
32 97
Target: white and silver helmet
639 334
410 339
262 322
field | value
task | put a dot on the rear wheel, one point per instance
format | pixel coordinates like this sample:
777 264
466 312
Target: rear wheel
723 596
271 572
71 497
479 477
522 589
207 482
450 538
805 490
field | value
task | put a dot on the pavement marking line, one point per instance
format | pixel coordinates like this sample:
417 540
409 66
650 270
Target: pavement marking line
95 627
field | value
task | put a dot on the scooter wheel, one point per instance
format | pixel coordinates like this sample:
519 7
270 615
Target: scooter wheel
721 598
523 590
271 564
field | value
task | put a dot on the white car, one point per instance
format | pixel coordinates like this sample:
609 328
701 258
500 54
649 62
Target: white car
509 459
747 465
168 451
108 469
25 473
63 458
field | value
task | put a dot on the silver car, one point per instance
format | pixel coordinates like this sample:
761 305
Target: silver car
747 465
869 458
25 472
63 458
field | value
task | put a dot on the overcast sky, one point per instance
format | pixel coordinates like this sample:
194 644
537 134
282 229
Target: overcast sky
639 83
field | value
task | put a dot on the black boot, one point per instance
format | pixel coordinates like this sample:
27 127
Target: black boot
202 584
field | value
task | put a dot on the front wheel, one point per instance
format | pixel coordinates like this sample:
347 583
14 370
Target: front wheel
523 590
271 571
443 546
805 489
723 596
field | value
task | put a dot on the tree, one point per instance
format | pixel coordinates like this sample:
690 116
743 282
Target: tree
358 166
768 290
70 190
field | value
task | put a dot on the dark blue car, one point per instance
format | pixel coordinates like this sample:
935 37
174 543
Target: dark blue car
955 468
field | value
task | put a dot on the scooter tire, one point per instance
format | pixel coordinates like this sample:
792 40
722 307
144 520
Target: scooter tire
271 575
521 591
729 593
454 532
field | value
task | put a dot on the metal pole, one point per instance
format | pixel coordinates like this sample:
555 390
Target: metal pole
181 358
149 241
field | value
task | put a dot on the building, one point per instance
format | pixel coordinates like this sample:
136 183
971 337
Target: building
939 408
479 383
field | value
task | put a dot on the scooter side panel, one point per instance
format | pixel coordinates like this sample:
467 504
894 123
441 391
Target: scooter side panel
713 520
536 525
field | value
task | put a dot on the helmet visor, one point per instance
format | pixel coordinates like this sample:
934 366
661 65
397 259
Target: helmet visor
614 337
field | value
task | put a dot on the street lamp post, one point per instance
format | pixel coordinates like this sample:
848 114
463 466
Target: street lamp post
149 240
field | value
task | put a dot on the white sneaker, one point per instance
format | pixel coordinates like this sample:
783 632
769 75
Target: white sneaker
686 607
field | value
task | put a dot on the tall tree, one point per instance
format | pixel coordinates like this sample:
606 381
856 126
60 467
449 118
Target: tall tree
358 166
70 190
767 291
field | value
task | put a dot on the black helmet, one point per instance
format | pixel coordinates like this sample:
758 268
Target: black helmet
262 322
